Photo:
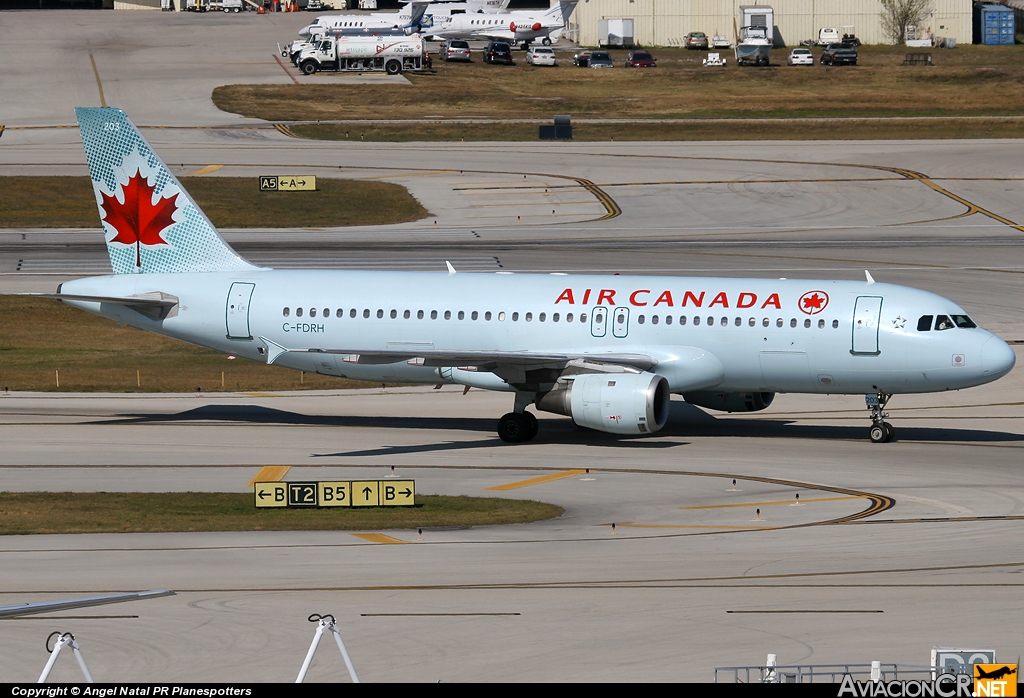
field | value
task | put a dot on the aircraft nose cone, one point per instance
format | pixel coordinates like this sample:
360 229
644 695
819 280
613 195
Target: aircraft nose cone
997 358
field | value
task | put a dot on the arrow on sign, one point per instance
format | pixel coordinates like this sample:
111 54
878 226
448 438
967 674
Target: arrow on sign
407 492
264 494
366 492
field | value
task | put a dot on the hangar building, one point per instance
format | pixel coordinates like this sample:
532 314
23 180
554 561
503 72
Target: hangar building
667 22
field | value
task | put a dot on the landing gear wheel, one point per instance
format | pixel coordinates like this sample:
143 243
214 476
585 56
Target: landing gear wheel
513 428
532 427
877 434
546 41
890 433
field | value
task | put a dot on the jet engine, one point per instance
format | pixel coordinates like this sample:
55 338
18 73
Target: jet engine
618 403
730 402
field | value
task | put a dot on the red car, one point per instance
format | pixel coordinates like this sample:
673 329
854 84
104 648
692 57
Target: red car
640 59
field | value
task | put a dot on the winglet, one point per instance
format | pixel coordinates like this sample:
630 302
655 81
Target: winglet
871 279
451 269
274 350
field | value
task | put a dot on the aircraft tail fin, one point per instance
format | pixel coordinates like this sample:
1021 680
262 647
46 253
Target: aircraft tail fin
150 222
562 11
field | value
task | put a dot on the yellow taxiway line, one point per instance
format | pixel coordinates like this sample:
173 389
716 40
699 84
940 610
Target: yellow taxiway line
780 501
270 473
206 170
536 480
380 538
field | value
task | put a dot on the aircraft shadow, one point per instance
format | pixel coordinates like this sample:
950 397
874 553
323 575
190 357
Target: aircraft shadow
685 422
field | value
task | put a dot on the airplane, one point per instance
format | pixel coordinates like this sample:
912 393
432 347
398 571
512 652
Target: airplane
18 610
522 26
607 351
415 17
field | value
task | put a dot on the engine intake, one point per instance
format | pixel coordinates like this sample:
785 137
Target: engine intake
617 403
730 402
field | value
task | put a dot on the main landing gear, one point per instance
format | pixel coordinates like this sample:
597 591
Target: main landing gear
881 431
519 425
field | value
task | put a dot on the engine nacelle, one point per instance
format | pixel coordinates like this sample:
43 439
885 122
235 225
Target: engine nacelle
618 403
730 402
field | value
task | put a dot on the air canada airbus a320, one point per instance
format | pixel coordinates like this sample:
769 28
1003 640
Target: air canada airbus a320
608 351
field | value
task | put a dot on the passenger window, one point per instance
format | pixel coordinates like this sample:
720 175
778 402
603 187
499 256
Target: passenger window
942 322
529 317
711 320
924 323
668 319
821 324
696 320
583 317
835 324
964 322
682 319
654 319
752 321
462 315
501 316
807 322
298 312
433 314
406 314
778 323
738 322
487 316
765 322
419 314
725 321
640 319
341 312
515 317
380 313
352 313
568 317
447 315
474 316
554 317
327 312
286 312
792 322
366 312
312 312
542 317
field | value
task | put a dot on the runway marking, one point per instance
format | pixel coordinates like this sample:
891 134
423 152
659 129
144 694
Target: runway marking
270 473
536 480
381 538
436 615
607 201
837 610
781 501
206 170
99 85
44 617
695 526
251 394
285 130
1 130
286 71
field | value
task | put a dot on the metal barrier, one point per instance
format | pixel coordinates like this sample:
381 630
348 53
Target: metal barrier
825 673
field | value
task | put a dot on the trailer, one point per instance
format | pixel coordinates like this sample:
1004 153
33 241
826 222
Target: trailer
388 54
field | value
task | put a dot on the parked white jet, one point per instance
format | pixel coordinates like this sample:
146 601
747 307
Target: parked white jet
523 26
607 351
415 17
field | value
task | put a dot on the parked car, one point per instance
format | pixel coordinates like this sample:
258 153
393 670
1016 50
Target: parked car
540 55
640 59
696 40
454 50
498 52
800 56
600 59
839 54
581 59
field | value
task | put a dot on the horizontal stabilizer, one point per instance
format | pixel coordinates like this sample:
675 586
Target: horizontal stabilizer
156 305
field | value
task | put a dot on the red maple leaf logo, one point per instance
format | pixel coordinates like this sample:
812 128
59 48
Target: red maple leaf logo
813 302
138 221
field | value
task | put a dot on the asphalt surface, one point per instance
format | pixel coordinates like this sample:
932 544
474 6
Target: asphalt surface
894 549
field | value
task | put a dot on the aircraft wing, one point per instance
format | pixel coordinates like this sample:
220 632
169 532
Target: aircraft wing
27 609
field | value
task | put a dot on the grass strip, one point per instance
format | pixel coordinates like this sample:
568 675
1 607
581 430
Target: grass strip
230 202
969 80
722 130
24 513
43 340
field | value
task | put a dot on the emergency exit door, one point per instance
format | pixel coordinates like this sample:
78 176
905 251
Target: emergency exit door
866 314
620 322
599 322
238 310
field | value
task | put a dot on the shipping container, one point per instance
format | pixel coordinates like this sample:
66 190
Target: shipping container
993 24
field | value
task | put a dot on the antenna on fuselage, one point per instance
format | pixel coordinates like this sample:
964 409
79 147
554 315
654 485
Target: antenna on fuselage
871 279
451 269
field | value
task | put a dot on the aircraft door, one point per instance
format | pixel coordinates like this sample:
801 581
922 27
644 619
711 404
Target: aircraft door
620 322
237 310
866 314
599 322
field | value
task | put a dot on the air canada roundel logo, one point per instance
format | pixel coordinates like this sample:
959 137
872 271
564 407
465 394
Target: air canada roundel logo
813 302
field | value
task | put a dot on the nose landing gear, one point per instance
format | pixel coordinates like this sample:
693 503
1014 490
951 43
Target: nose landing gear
881 431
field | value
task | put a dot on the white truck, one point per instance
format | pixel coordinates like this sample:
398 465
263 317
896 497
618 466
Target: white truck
390 54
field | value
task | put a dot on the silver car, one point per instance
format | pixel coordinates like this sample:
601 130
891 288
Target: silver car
601 59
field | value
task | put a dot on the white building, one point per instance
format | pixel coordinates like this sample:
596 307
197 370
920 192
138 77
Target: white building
666 22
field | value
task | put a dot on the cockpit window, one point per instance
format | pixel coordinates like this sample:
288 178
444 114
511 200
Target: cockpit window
942 322
964 321
924 323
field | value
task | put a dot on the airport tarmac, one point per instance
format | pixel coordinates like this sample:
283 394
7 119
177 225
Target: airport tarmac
896 548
